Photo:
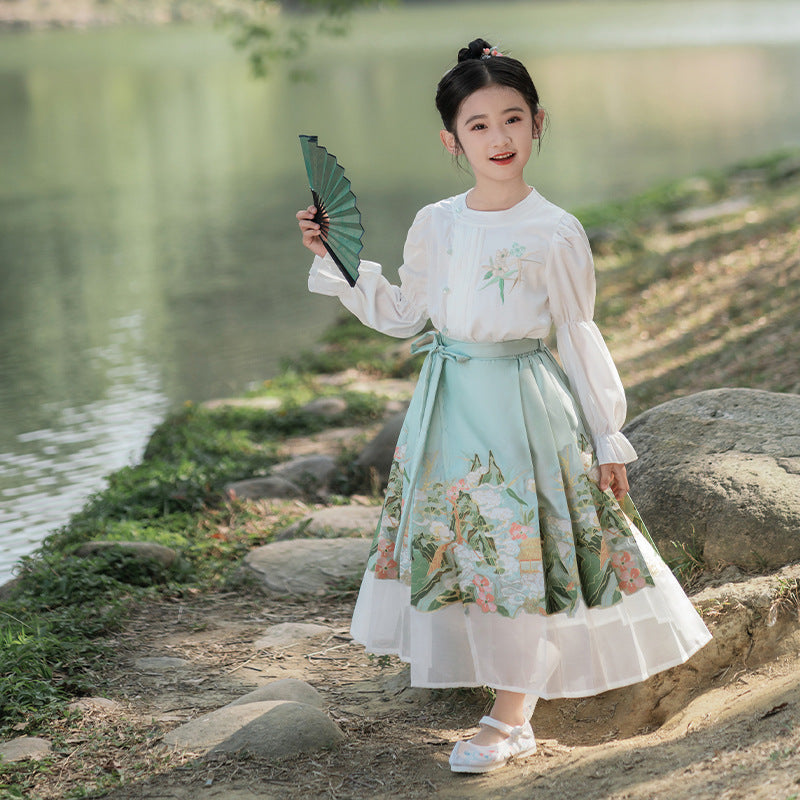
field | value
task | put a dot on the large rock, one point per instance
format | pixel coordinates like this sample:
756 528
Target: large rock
8 589
264 403
326 407
312 473
719 471
286 729
201 734
303 567
283 689
336 522
286 634
377 456
270 729
103 704
23 748
145 551
329 442
273 487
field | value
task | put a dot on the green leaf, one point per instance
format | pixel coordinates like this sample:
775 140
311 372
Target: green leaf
511 493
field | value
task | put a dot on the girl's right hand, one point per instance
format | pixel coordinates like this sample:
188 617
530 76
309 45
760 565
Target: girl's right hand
310 229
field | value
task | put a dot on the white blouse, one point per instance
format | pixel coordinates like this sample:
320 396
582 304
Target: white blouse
489 276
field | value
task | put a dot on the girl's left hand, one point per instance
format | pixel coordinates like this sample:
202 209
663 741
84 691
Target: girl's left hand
615 476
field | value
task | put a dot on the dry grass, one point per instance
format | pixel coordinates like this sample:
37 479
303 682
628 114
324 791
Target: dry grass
688 308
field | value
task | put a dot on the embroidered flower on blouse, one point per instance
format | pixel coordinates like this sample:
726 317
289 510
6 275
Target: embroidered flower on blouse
505 267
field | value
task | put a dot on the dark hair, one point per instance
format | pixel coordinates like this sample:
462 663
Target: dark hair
476 69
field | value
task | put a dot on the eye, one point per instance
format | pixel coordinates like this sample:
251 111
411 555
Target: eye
513 119
478 126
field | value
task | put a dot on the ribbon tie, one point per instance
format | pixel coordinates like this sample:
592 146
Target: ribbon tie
432 342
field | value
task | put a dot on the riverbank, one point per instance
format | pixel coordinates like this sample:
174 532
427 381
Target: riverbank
42 14
695 291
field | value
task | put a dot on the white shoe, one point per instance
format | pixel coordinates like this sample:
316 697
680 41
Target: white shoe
469 757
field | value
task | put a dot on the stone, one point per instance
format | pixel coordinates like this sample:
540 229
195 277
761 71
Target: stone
160 663
377 456
398 687
8 589
335 522
265 403
304 567
201 734
329 442
146 551
284 689
286 729
286 634
719 472
23 748
356 381
94 704
698 215
326 407
314 472
263 489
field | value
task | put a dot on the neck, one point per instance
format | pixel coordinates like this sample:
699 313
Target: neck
496 197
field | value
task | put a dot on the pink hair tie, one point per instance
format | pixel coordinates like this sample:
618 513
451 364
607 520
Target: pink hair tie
488 52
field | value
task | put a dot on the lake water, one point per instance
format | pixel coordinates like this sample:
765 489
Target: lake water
148 185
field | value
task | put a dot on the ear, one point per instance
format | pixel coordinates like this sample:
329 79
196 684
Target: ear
538 122
450 142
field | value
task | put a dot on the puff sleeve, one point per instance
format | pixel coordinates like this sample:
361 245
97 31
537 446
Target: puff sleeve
395 310
584 354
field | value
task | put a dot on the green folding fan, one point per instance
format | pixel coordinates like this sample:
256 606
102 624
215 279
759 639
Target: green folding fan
337 215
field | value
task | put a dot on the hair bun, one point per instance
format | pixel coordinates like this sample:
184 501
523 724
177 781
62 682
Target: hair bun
474 50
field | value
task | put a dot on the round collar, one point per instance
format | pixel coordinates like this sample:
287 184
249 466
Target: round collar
508 215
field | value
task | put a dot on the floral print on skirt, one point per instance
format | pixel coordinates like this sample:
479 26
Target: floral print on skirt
493 499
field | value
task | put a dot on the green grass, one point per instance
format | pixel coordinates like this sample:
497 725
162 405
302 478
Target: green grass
53 625
347 344
52 630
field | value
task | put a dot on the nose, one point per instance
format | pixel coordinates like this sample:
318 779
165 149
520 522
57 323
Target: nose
500 135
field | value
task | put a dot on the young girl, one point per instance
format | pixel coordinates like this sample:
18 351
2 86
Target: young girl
508 552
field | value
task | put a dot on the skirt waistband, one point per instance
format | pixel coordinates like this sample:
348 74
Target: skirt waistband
437 343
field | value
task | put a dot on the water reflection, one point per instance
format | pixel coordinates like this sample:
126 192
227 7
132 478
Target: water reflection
148 252
48 471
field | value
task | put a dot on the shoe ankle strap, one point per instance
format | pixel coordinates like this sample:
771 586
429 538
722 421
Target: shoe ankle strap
497 724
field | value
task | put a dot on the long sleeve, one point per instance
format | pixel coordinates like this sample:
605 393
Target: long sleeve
395 310
584 354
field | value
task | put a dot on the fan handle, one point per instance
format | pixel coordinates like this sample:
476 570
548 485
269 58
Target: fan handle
322 219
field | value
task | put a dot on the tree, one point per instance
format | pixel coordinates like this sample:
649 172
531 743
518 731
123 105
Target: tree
281 30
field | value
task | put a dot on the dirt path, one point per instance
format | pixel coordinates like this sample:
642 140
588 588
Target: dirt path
735 735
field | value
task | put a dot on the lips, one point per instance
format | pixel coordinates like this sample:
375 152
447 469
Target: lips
503 158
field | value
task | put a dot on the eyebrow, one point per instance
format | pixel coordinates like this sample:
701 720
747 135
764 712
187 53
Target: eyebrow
483 116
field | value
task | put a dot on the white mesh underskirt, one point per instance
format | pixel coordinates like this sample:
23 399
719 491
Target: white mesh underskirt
593 650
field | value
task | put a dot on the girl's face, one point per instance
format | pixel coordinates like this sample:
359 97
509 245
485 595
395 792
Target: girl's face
495 130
